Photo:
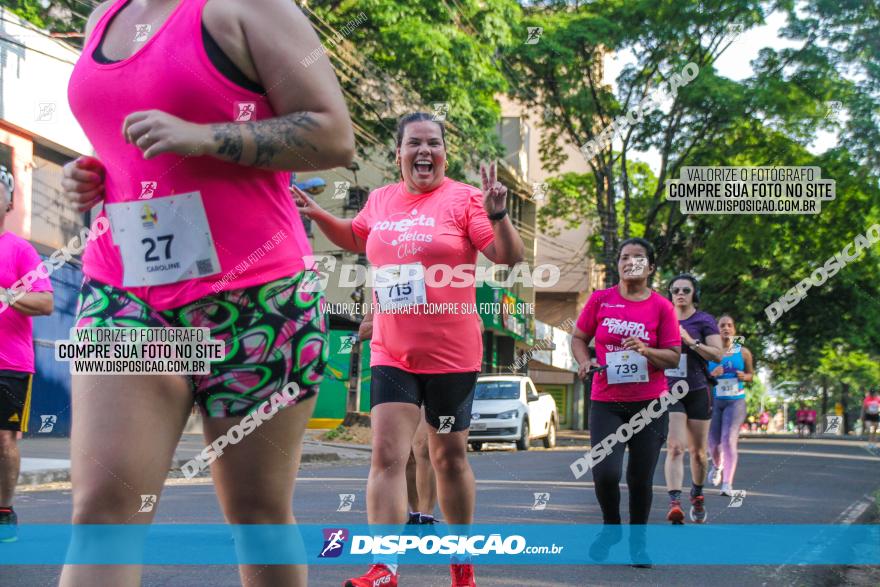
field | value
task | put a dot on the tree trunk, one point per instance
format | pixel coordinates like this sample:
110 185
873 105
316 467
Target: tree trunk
626 199
844 396
609 230
824 397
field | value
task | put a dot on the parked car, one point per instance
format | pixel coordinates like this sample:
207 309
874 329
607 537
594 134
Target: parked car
508 409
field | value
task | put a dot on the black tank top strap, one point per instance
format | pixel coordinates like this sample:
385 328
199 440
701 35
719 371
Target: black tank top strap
218 58
225 65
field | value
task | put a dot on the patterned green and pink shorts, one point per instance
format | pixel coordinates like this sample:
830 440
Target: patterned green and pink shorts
274 334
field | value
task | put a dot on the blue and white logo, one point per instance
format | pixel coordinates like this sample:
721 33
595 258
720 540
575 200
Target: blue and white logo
334 542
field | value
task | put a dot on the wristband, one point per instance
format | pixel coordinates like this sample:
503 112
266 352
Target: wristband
498 215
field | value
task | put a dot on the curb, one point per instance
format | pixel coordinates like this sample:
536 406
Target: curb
42 477
361 447
32 478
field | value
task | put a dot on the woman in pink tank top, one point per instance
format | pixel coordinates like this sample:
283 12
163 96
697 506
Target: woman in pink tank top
198 110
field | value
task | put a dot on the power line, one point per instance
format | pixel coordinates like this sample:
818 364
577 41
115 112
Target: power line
412 96
26 48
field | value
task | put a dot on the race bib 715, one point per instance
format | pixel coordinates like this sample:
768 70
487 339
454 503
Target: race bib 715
398 286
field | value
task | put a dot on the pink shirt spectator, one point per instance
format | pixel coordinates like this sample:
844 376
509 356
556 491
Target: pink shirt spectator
872 404
611 318
17 258
446 226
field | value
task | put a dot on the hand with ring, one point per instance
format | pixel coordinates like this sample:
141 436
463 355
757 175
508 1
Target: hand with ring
633 343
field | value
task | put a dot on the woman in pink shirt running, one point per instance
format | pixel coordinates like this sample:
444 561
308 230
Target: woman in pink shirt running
416 233
198 110
637 337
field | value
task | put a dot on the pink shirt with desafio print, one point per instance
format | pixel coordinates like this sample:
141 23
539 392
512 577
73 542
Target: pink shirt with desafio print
611 318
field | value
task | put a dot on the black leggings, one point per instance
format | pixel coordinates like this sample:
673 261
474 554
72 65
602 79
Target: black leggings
644 451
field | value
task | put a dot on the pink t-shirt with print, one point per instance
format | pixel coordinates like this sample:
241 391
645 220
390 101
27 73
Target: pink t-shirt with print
611 318
446 226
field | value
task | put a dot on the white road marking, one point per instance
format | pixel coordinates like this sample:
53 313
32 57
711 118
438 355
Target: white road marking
801 453
854 511
846 518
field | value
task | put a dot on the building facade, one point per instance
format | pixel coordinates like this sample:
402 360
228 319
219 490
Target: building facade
38 135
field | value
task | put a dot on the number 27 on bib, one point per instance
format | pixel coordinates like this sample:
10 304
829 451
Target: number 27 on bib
166 240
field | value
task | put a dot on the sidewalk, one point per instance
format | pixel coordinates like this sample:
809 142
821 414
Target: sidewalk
572 438
47 459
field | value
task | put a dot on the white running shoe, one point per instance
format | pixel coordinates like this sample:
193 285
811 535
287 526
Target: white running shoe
714 475
726 489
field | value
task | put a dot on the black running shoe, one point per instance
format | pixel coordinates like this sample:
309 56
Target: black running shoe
414 518
427 526
8 525
610 535
638 547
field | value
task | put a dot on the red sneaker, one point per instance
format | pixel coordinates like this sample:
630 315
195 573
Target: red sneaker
462 575
378 576
675 515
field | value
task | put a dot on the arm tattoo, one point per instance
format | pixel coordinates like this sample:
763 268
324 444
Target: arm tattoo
278 134
230 142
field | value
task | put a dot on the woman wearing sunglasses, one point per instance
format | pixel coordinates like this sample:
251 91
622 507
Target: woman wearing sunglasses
689 417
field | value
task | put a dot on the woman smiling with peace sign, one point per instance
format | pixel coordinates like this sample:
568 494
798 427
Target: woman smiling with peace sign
406 228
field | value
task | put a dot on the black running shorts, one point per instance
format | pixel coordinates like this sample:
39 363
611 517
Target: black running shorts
697 404
447 397
15 400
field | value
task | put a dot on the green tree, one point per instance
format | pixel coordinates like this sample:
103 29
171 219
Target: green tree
829 81
392 58
408 56
562 77
57 16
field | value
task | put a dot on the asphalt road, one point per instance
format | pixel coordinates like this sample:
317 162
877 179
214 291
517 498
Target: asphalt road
787 482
